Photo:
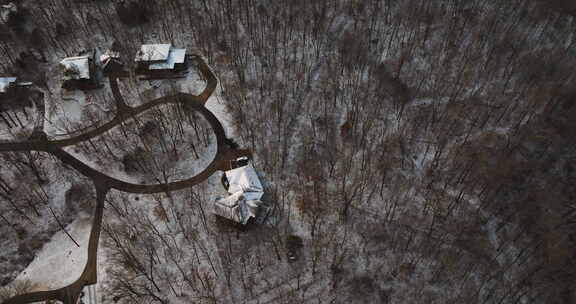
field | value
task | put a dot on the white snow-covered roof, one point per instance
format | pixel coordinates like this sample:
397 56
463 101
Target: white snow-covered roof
5 83
153 52
77 67
231 200
245 179
109 54
6 9
245 193
236 208
229 208
175 56
179 55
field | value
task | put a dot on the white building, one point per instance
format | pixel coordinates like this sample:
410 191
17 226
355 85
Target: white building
108 55
245 193
6 82
160 58
6 10
76 68
10 85
79 72
153 53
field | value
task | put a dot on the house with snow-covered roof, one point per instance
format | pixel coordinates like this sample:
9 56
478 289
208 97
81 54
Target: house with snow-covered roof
10 87
245 191
6 10
79 72
111 63
161 61
6 83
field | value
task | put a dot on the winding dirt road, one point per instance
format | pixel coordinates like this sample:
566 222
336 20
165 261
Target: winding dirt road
103 183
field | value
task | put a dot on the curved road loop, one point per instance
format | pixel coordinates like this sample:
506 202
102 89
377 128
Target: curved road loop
103 183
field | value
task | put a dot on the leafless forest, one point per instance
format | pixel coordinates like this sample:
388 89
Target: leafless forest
413 151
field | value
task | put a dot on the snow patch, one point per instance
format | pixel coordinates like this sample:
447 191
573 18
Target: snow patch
60 262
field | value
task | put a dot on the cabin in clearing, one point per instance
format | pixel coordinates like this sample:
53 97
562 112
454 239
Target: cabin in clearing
155 61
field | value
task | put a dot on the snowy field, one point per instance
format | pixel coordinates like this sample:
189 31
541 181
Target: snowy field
61 261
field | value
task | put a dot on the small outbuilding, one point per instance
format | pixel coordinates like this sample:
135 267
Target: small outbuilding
111 63
7 83
6 10
79 73
161 61
15 97
245 192
11 87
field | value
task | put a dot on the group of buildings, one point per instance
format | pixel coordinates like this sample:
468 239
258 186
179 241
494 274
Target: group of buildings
157 61
153 61
85 71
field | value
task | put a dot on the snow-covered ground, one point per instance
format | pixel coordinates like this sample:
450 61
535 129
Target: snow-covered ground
69 113
416 213
61 261
195 149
